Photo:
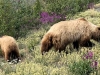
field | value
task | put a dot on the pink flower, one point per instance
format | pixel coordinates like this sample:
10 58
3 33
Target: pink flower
94 64
89 55
46 17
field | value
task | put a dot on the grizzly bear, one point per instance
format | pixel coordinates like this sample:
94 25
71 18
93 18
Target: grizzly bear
9 48
78 31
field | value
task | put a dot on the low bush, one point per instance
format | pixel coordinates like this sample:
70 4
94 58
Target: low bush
87 65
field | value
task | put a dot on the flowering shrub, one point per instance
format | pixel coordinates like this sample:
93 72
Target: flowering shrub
68 6
89 57
85 66
18 16
45 17
14 15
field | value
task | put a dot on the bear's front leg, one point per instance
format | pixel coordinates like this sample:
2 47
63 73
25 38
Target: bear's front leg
7 58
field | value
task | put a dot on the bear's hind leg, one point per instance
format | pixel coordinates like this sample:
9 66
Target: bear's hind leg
85 41
88 44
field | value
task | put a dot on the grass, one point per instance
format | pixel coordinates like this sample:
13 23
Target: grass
52 63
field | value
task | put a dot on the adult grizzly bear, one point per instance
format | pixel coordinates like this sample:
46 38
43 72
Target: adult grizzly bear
9 48
78 32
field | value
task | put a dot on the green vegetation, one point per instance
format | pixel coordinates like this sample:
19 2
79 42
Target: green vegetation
88 64
19 16
19 20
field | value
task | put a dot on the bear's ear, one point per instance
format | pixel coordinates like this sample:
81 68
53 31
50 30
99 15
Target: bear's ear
83 19
98 28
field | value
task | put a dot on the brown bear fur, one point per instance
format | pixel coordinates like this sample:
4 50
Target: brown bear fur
78 31
9 48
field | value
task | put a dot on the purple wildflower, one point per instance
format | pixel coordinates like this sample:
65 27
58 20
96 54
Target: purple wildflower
48 18
44 14
56 16
94 64
89 55
45 17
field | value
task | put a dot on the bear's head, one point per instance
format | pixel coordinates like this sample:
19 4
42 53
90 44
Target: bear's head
46 44
96 34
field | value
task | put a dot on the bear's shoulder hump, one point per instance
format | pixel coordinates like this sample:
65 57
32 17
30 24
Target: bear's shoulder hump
83 19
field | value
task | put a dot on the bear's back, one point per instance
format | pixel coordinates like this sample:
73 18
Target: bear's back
72 29
71 25
7 40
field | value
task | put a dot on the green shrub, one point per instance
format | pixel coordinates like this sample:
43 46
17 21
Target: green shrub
90 15
6 18
37 8
81 68
67 6
15 17
85 66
